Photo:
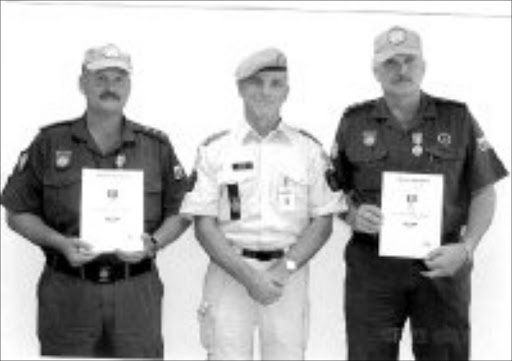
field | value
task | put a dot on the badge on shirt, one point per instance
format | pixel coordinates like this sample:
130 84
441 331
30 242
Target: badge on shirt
286 197
22 161
444 139
120 160
369 137
62 159
242 166
417 141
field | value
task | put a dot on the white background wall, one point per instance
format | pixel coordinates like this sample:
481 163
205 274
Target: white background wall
184 58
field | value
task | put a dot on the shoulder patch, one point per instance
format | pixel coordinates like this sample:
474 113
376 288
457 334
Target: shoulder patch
153 132
57 125
448 101
309 135
214 137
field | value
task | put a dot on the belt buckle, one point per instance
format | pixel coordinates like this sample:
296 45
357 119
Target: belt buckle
104 274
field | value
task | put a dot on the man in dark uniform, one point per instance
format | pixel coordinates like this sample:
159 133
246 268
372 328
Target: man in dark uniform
91 304
408 130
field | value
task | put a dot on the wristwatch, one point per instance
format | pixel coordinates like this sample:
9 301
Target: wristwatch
290 265
154 243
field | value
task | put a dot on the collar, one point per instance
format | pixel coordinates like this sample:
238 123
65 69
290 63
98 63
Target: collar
427 110
245 134
79 130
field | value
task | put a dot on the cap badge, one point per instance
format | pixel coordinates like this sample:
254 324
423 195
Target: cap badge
62 158
396 36
369 137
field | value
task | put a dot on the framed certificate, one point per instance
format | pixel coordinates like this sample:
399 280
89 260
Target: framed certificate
112 209
412 206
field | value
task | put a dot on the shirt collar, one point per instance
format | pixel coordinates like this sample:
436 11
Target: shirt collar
427 109
79 130
245 134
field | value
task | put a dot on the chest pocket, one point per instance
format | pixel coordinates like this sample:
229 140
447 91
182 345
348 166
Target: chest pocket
61 198
290 192
445 160
368 163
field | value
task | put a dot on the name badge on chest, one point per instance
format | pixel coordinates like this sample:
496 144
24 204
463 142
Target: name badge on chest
287 196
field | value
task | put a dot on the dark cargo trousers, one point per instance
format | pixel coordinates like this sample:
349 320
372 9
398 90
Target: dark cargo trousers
81 318
381 293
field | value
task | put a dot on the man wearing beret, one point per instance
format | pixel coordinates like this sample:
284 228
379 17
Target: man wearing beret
263 207
95 304
410 131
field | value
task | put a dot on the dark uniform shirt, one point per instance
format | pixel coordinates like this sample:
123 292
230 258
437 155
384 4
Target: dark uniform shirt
47 179
444 139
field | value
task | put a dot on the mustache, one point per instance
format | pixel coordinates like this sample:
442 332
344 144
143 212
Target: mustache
108 94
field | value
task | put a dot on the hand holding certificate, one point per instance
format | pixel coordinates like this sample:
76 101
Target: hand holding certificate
412 206
112 210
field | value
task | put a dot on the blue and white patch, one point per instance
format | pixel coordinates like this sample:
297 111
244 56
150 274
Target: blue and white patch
62 158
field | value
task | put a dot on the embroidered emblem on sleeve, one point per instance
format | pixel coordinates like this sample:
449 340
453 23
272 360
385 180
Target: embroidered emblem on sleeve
22 161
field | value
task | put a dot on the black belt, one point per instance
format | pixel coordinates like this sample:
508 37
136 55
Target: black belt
100 271
263 255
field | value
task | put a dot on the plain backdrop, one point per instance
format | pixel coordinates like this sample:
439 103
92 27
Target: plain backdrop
184 59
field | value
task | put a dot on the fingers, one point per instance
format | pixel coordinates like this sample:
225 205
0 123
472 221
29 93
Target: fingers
436 273
368 218
130 257
434 254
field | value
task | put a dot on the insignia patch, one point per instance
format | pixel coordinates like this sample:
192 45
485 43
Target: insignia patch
369 137
22 161
444 138
396 36
483 144
179 173
62 158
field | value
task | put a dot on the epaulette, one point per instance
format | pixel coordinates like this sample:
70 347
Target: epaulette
309 135
448 101
57 125
153 132
357 107
214 137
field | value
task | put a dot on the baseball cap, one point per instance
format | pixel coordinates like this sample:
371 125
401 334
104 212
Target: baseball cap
107 56
396 40
270 59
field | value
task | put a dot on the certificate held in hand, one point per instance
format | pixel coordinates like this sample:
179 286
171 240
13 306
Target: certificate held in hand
412 206
112 209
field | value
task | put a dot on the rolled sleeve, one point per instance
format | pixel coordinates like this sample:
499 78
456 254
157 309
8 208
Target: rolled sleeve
324 199
23 191
175 182
203 197
485 167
